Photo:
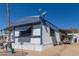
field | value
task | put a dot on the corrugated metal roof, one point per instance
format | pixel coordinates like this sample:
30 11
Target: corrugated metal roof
33 19
51 25
26 20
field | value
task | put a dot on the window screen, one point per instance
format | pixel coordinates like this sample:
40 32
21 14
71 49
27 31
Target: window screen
52 33
28 32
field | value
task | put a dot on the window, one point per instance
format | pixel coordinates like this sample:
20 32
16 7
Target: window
52 33
28 32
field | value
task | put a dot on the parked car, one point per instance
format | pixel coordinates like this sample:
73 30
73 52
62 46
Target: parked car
66 41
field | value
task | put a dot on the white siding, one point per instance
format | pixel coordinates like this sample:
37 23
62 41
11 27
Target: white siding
35 40
47 39
57 37
16 40
29 46
16 33
36 32
33 45
11 36
46 36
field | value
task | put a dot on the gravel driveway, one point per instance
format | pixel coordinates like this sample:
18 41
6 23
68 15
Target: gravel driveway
59 50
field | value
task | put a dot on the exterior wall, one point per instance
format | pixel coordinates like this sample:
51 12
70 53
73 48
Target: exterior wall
16 33
28 46
35 39
34 43
57 34
46 38
36 32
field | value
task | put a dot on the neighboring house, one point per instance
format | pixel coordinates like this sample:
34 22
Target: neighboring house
34 33
75 38
71 34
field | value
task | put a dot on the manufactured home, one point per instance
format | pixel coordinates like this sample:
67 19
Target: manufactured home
34 33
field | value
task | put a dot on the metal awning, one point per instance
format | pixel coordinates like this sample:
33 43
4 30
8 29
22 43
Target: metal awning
25 28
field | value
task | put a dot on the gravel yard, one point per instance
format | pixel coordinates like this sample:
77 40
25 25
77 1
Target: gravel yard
60 50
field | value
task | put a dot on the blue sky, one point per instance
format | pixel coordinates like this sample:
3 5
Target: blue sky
61 15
